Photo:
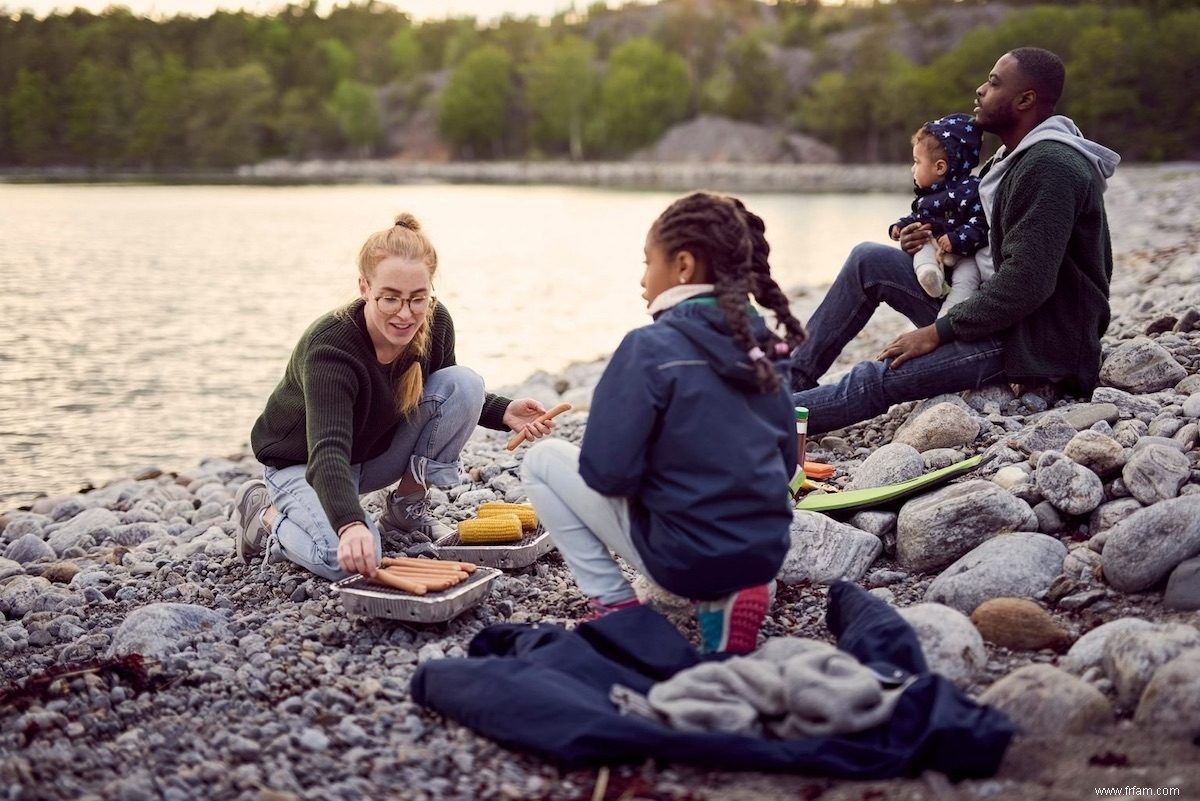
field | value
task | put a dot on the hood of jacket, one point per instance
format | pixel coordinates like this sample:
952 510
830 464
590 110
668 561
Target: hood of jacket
961 138
701 320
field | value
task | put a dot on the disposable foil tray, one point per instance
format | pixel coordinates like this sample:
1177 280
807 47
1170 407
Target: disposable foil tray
509 556
361 597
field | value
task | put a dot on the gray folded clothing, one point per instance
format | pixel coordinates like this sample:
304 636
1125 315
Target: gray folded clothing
791 687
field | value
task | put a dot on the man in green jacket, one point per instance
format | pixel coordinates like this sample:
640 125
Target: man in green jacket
1043 306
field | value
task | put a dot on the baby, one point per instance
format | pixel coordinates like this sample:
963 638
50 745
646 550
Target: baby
944 153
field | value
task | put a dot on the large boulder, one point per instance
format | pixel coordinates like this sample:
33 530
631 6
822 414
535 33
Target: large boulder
1132 656
1170 704
950 642
824 550
1155 473
942 426
1145 547
162 629
1070 487
1141 366
1046 701
935 529
893 463
1018 565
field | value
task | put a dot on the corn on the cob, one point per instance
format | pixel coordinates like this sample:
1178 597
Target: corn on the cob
490 530
523 511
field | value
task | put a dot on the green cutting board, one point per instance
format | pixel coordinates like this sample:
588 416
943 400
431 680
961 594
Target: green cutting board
877 496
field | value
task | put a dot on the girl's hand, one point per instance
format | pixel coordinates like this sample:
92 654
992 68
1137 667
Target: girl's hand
356 550
522 415
943 243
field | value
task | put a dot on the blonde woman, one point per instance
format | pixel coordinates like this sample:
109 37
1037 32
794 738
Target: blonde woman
371 396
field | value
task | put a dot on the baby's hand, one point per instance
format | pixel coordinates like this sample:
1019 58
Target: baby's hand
894 232
943 243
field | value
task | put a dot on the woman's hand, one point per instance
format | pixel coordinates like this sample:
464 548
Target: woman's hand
356 550
914 235
911 345
522 415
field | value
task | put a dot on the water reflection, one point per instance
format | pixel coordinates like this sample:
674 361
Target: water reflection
146 325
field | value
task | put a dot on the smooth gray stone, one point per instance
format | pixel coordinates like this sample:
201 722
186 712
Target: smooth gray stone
1018 565
1189 385
1187 436
935 529
873 521
1072 488
1155 473
938 458
1170 704
951 643
1165 427
942 426
23 594
1183 587
22 523
1088 650
79 530
28 549
1140 366
1050 520
1086 415
1045 701
161 629
893 463
1191 406
1101 454
1051 432
1131 656
824 550
1145 547
1129 404
10 567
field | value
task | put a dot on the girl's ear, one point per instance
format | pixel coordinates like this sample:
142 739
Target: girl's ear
683 266
941 166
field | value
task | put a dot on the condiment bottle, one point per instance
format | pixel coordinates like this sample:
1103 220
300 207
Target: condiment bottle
801 433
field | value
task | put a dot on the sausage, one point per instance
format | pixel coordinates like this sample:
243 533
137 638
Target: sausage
519 437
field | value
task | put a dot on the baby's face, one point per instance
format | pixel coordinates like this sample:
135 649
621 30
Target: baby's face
926 169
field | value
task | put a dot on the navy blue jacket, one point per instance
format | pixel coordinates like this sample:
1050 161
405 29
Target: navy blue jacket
544 690
679 427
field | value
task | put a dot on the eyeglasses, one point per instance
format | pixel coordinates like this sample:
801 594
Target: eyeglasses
394 304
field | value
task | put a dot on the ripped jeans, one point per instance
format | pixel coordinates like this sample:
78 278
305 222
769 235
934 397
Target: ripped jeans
431 439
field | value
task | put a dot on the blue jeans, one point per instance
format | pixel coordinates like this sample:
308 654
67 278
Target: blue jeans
873 274
587 527
430 438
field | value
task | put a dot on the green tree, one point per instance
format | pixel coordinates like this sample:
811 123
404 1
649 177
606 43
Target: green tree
32 116
645 91
562 85
356 110
156 135
96 113
339 61
748 86
305 126
473 113
404 54
229 116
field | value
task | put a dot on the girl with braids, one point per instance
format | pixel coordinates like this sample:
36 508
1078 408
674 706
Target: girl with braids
690 442
371 396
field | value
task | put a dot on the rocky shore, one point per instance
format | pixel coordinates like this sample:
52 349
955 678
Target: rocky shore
1058 582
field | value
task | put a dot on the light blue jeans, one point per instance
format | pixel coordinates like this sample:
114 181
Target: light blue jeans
587 527
430 439
875 274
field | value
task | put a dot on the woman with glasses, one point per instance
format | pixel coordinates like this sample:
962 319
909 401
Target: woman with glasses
371 396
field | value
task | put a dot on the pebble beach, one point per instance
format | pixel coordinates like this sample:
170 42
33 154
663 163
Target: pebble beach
1058 582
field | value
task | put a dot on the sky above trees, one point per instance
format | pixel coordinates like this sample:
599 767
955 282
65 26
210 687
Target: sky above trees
419 9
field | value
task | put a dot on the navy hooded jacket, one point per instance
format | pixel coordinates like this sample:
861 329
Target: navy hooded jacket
679 427
544 690
951 206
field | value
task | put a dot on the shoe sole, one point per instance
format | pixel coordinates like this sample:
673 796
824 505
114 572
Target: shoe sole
238 522
745 612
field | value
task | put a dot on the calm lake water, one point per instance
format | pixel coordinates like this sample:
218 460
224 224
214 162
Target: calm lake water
146 325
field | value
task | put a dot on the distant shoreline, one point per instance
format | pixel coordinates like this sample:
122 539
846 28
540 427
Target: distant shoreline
805 178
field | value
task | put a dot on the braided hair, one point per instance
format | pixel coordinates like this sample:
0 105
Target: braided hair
730 241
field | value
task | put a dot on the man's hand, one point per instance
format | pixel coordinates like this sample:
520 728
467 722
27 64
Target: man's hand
356 550
522 415
914 235
911 345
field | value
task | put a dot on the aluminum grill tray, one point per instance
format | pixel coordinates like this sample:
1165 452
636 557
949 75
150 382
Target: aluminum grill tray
512 556
361 597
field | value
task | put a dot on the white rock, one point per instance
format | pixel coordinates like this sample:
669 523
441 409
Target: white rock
951 643
1132 656
824 550
935 529
1018 565
1088 650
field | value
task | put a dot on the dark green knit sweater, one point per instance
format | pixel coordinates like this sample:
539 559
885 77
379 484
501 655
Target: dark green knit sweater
1048 300
334 406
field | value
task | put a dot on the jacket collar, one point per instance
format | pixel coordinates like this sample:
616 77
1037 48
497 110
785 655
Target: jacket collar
676 295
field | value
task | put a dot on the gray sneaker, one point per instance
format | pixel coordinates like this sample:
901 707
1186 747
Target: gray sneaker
406 515
252 497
